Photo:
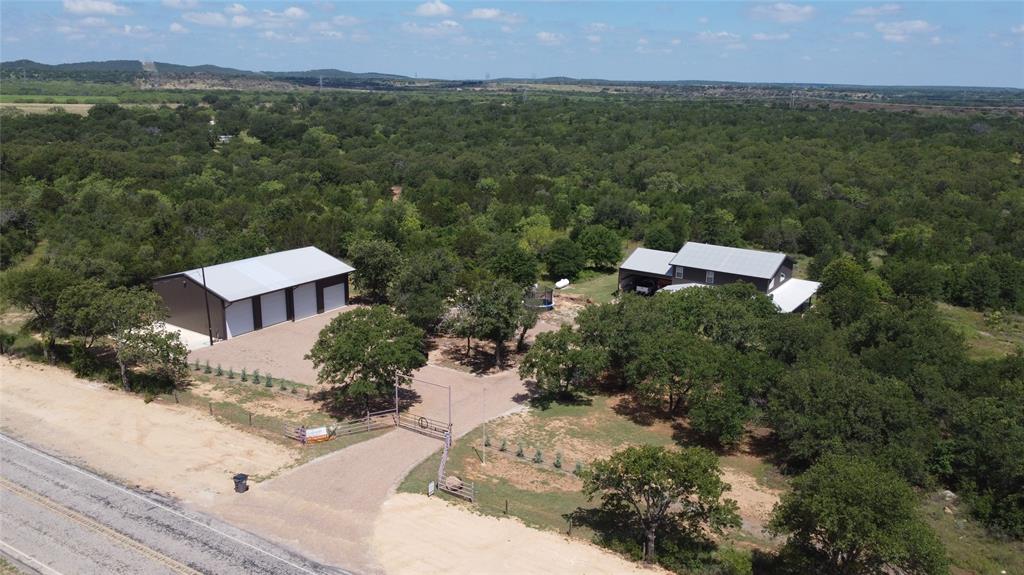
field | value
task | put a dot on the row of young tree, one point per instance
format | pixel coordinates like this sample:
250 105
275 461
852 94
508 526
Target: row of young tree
124 194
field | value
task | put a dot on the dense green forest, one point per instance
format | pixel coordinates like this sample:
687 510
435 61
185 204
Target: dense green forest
431 197
130 194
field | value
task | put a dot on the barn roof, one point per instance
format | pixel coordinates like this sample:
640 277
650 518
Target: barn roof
233 281
649 262
738 261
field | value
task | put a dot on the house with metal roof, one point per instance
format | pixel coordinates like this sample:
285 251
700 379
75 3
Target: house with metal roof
229 299
697 264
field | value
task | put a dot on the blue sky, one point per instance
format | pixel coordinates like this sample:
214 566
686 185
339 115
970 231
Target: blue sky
905 43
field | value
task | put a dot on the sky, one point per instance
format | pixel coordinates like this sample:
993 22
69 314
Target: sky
974 43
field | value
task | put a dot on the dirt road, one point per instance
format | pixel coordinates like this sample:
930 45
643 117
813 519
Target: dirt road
58 518
417 535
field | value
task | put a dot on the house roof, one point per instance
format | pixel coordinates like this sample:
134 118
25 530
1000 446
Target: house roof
739 261
649 262
240 279
792 293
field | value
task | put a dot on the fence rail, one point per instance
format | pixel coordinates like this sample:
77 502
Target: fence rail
420 424
458 487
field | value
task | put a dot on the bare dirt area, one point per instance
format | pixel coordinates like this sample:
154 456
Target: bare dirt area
278 350
416 534
171 449
478 356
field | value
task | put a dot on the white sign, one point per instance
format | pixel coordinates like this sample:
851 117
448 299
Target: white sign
430 488
316 433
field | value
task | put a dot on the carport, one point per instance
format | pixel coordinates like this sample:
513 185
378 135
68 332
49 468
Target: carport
233 298
646 271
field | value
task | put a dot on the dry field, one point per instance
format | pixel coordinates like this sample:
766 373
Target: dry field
171 449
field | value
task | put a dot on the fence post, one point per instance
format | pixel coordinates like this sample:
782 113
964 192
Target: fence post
506 507
211 407
570 525
250 420
367 419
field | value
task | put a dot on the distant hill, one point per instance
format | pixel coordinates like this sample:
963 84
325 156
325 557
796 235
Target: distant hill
136 67
337 75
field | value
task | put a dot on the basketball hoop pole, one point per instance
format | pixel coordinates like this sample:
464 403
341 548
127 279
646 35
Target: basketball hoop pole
483 412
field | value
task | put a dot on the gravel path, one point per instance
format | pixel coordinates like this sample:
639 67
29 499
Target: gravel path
58 518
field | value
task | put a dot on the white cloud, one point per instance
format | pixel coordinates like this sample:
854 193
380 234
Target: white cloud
441 29
135 31
675 41
278 37
549 38
785 12
433 8
806 58
939 41
703 20
593 38
343 20
495 15
902 31
241 21
709 37
1017 29
762 37
294 13
94 7
215 19
178 28
736 46
236 9
872 12
597 27
180 4
92 22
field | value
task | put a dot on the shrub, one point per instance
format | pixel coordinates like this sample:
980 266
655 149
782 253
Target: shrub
519 450
244 376
295 389
256 377
195 365
220 371
206 367
270 381
558 460
487 441
504 445
231 373
578 470
538 457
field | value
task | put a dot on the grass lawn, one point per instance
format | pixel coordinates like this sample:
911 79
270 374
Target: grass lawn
986 341
543 496
969 547
595 286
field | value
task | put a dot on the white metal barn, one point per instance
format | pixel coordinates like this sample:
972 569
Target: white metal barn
234 298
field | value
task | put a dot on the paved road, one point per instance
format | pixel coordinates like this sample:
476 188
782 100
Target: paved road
57 518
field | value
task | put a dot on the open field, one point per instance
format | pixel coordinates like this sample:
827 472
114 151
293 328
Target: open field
592 286
986 341
118 434
970 548
542 496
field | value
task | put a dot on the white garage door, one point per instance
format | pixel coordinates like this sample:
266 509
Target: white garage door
239 317
273 308
334 296
304 297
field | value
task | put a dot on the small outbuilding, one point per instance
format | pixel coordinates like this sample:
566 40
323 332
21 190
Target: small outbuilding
234 298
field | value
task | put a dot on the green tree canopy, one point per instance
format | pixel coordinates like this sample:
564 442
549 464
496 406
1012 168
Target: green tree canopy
560 363
37 289
662 487
849 516
377 263
363 352
601 246
564 259
423 287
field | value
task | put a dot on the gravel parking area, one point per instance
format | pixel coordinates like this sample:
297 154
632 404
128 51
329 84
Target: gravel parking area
279 349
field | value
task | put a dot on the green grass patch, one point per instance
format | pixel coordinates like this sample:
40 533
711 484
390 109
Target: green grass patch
986 339
969 546
56 99
599 287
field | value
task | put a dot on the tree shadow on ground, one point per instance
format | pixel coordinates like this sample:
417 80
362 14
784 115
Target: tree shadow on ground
478 360
639 413
614 529
340 406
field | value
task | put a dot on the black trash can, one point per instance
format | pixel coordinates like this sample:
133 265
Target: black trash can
240 483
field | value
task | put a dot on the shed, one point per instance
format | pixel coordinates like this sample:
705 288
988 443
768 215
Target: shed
646 270
233 298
